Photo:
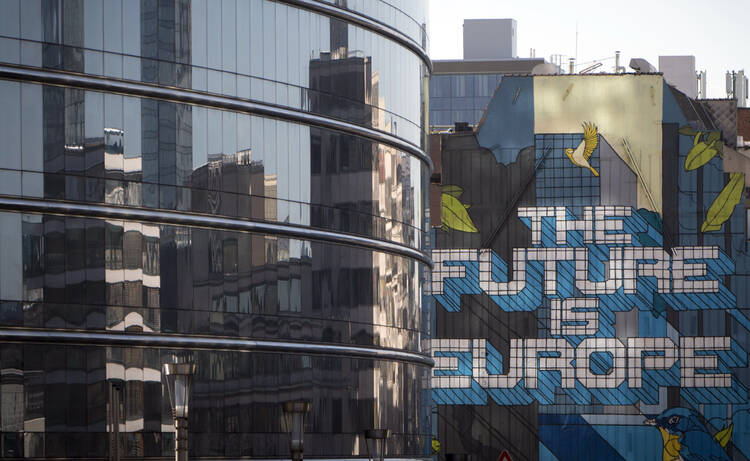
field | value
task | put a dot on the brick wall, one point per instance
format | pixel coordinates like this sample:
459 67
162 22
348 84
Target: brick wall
743 123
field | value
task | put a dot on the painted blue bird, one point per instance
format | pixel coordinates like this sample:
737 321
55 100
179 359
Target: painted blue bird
687 439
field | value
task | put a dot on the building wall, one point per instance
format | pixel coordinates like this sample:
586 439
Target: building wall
743 123
240 182
461 89
680 72
460 97
489 39
554 272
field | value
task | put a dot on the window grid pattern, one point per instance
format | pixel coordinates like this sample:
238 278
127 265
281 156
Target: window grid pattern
460 98
559 181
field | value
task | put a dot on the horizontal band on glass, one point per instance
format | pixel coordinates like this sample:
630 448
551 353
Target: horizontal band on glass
200 98
87 210
363 21
85 338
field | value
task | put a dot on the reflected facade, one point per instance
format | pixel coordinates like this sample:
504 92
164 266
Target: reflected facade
241 182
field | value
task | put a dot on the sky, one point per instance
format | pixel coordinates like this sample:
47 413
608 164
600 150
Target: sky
716 32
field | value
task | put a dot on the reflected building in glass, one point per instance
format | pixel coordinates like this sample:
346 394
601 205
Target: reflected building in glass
241 182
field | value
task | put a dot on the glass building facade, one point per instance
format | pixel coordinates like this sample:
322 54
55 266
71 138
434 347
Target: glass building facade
461 89
240 182
460 97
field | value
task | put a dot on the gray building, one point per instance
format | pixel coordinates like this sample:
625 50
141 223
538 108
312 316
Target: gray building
461 89
679 71
237 183
490 39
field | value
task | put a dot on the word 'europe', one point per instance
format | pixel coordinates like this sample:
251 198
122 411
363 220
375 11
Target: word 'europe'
584 272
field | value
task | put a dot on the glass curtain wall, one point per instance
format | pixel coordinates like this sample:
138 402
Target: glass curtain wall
246 173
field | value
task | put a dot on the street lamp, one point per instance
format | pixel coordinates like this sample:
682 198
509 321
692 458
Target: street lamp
179 376
295 413
375 442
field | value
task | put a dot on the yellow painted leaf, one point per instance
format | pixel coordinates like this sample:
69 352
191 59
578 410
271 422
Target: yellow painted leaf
453 191
686 130
724 204
724 435
697 138
455 216
435 446
699 155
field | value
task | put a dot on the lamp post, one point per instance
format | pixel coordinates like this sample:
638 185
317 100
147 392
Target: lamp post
179 378
375 442
295 413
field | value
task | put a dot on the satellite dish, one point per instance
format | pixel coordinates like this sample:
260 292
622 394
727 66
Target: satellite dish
545 68
642 66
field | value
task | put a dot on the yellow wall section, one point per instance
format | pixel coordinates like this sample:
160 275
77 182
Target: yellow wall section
624 107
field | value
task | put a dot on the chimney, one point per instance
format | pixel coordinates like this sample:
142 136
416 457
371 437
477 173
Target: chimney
617 62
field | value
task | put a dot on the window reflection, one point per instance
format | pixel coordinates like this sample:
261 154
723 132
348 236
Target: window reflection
116 275
191 45
126 276
270 171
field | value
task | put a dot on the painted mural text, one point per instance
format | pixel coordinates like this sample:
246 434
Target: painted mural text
583 272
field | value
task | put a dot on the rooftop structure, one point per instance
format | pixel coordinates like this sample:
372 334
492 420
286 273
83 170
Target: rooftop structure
490 39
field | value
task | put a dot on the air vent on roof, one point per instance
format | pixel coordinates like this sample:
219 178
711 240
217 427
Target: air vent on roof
641 66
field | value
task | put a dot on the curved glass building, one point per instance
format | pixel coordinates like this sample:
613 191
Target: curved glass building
240 182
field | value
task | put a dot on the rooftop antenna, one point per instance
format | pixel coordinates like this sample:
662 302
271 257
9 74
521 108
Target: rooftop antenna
576 56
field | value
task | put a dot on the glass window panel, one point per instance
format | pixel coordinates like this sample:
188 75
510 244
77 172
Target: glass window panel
213 36
229 35
9 20
10 124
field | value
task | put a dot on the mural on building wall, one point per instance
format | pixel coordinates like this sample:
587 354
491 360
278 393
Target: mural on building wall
597 307
454 214
706 146
580 155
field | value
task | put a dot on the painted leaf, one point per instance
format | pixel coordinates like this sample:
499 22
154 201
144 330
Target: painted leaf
454 191
724 435
719 146
699 155
713 137
455 215
697 138
686 130
724 204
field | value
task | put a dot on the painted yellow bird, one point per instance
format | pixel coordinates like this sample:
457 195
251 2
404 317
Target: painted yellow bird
580 155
